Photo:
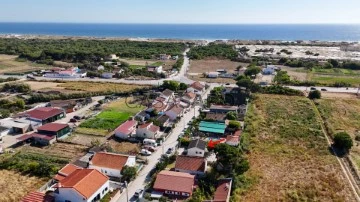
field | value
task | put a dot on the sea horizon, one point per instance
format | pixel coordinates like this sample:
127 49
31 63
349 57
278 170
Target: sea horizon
282 32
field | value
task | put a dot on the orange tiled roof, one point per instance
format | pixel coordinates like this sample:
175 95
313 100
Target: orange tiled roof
109 160
174 181
190 163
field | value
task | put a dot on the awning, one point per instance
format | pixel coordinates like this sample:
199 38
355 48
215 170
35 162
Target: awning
156 194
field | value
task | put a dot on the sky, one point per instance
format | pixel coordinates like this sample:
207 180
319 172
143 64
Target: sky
182 11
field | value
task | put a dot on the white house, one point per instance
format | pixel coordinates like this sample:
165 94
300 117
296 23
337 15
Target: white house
4 131
100 68
125 130
147 130
86 185
164 57
167 95
196 88
269 69
113 57
213 74
189 97
156 69
111 164
197 148
191 164
107 75
174 112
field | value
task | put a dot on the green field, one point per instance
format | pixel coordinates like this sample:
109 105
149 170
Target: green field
107 120
289 157
328 80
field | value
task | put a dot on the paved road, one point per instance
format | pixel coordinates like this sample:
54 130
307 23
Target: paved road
171 142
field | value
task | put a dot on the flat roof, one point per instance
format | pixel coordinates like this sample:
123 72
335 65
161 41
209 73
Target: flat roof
212 127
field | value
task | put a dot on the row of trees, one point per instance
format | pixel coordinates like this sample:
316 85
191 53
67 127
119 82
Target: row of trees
309 64
174 85
48 50
179 63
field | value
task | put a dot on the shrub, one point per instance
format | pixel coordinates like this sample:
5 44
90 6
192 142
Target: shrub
128 173
234 124
343 140
315 94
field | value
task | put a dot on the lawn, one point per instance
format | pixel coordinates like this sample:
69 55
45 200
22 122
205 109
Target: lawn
113 115
289 157
14 186
342 114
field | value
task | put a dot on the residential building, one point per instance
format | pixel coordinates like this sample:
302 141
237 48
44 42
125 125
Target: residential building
100 68
113 57
191 164
189 97
174 184
44 114
234 140
223 109
111 164
148 131
156 69
4 131
126 130
223 190
67 105
59 130
65 171
164 57
269 69
213 74
159 106
174 112
167 95
196 88
175 57
220 117
70 73
18 126
86 185
37 197
163 121
197 147
142 116
235 96
212 127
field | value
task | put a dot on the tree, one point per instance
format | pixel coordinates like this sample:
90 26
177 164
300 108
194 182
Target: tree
252 70
171 85
244 81
128 173
315 94
234 124
343 140
282 77
231 116
183 86
334 63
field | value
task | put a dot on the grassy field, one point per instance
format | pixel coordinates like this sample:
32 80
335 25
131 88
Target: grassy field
99 87
9 64
124 147
85 139
14 185
289 157
167 64
113 115
328 79
342 114
211 65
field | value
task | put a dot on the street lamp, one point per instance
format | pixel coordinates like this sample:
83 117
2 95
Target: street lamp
127 192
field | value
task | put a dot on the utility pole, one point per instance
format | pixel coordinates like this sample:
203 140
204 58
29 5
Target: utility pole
127 191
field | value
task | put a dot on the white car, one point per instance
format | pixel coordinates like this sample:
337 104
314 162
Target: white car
145 152
139 193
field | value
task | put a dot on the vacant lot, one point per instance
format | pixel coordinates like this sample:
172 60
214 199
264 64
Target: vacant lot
124 147
342 114
299 74
8 64
113 115
15 186
289 157
211 65
331 79
200 77
86 140
167 64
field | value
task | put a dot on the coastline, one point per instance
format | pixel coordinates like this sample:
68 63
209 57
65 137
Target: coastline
171 40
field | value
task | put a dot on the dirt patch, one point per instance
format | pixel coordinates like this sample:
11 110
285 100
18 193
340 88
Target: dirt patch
85 140
14 186
299 74
124 147
200 77
35 85
211 65
167 64
9 64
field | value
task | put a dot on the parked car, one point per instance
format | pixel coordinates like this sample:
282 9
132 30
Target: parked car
323 89
139 193
73 120
312 88
149 148
169 151
145 152
77 117
227 84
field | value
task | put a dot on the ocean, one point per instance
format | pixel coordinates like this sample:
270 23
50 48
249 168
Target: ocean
324 32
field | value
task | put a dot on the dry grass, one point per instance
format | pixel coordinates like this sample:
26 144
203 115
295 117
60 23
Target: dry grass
15 186
86 140
99 87
167 64
296 73
124 147
211 65
35 85
289 159
343 114
200 77
8 64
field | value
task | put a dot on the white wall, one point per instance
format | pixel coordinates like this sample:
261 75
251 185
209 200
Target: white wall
68 194
148 134
191 172
107 171
131 161
196 152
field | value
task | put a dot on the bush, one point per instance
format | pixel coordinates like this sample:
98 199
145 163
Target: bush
128 173
234 124
315 94
279 90
343 141
231 116
253 70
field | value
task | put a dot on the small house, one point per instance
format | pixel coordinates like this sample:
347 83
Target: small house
67 105
155 69
269 70
174 112
174 184
44 114
189 97
196 88
213 74
126 130
100 68
197 147
191 164
147 130
58 130
164 57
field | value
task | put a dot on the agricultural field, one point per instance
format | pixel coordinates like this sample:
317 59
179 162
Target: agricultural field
114 114
14 185
81 87
167 64
289 157
211 65
342 114
9 64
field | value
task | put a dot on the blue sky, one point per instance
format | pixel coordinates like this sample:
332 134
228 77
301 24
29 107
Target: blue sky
181 11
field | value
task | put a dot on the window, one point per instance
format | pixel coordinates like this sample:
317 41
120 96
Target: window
105 171
106 188
177 193
200 152
67 201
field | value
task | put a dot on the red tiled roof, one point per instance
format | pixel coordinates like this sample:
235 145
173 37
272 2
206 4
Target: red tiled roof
176 109
109 160
126 127
190 163
59 177
190 95
37 197
154 128
43 113
53 127
85 181
145 125
41 136
24 137
174 181
232 138
222 190
197 85
68 169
